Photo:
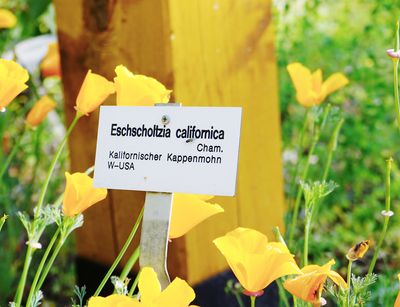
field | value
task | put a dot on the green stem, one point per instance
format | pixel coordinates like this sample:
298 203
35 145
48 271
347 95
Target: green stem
396 77
121 253
2 221
387 217
12 232
36 167
304 174
282 293
306 237
13 152
12 235
22 280
53 163
278 235
300 192
396 89
239 299
299 152
34 289
253 301
29 252
33 88
130 263
50 263
134 285
6 40
349 282
331 148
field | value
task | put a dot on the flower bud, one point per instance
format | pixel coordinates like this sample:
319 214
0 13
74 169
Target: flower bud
40 110
50 65
94 90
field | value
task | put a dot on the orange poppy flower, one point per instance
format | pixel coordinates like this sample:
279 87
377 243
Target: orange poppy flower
309 285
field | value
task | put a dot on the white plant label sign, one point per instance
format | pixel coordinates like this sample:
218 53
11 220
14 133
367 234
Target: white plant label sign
168 149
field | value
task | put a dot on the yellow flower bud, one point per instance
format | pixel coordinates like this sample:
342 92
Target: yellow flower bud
94 90
40 110
51 65
80 194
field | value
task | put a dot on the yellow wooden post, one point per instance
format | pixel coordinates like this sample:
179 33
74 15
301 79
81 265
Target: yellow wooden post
223 55
211 53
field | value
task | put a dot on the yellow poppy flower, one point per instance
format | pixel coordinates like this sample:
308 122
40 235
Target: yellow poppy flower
12 81
397 302
188 210
39 111
51 63
358 251
7 19
310 90
177 294
94 90
80 194
309 285
255 261
114 300
138 90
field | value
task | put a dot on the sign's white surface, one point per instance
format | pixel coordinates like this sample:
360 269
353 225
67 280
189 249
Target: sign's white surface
168 149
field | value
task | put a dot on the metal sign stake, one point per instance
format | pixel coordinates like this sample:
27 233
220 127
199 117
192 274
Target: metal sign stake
155 228
155 231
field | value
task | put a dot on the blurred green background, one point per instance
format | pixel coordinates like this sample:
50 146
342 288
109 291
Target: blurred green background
21 184
349 37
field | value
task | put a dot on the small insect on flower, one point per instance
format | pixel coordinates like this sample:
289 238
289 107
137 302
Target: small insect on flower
358 251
